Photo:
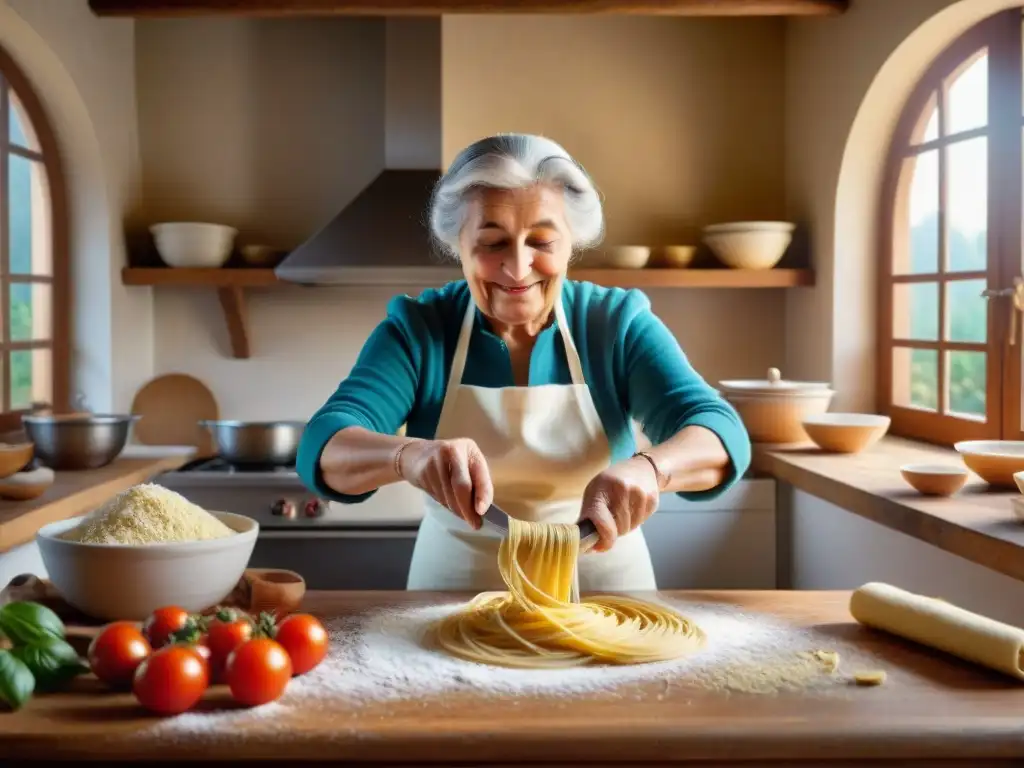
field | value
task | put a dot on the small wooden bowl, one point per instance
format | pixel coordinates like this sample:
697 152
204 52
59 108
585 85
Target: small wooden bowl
27 485
934 479
275 591
14 456
675 256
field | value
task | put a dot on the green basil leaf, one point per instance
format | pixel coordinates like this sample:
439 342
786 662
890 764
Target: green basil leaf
51 661
16 681
25 622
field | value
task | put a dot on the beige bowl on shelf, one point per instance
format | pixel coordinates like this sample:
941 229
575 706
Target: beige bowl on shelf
846 432
934 479
773 410
674 256
14 457
118 581
994 461
749 244
627 256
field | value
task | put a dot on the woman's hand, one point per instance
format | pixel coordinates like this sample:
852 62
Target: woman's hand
453 472
619 499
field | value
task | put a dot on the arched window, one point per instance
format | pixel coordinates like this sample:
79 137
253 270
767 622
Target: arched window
950 337
34 268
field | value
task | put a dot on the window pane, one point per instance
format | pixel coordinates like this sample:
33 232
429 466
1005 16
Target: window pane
927 127
967 215
966 311
915 378
31 377
915 311
916 247
31 312
967 98
19 127
965 372
30 242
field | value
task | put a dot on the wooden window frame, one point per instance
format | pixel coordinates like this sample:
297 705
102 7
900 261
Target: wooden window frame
1001 36
11 75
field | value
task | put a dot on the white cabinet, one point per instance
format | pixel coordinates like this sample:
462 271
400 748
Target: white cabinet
727 543
22 559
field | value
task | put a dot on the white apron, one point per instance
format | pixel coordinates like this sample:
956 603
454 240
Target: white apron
543 445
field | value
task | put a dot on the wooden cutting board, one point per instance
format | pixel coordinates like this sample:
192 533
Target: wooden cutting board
171 407
259 589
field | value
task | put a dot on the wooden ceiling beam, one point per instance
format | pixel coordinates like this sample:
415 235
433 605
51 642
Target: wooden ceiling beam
285 8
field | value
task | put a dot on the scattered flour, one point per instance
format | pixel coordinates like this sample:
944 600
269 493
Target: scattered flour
379 657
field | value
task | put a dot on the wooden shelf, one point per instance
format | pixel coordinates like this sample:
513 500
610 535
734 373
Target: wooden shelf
231 285
283 8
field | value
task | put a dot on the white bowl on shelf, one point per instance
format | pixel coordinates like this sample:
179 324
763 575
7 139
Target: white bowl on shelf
627 256
119 581
749 244
193 244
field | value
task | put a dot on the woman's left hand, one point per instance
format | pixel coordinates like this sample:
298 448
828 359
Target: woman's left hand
619 499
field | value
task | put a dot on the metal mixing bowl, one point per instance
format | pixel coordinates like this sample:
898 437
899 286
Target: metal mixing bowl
86 441
267 443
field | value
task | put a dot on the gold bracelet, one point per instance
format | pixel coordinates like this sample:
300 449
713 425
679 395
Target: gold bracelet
663 480
398 457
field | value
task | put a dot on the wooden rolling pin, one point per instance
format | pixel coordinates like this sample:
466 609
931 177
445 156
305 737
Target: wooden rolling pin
937 624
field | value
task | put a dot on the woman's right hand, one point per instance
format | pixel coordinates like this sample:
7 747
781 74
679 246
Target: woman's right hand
453 472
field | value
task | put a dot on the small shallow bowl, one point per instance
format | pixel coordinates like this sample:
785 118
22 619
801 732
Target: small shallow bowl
994 461
845 432
14 457
627 256
934 479
118 581
675 256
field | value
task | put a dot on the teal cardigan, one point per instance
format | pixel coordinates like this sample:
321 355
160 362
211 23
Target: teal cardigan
632 364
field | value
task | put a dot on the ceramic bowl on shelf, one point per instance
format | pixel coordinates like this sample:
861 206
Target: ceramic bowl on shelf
994 461
674 256
1018 478
749 244
121 581
193 244
846 432
626 256
1017 507
772 409
934 479
14 457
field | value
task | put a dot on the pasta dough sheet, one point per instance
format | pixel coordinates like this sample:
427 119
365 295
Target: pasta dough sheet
937 624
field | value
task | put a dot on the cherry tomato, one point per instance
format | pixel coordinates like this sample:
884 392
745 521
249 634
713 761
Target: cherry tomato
163 623
116 651
202 647
172 680
222 638
305 639
258 671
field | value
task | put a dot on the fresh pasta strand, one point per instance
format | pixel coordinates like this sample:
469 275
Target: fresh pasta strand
540 621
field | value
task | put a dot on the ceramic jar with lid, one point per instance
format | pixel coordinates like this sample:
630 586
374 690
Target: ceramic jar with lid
772 409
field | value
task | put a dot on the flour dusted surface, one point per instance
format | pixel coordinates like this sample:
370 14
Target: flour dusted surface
377 661
148 514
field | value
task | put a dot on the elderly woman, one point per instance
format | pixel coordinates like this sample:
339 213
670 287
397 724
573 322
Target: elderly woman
517 386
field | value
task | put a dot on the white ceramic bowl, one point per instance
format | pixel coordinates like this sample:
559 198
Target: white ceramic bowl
627 256
193 244
749 244
994 461
115 581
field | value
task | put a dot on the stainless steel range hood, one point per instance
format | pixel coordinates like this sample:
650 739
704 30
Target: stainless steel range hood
381 237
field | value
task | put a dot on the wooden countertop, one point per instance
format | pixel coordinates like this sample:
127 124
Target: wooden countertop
933 709
976 524
76 493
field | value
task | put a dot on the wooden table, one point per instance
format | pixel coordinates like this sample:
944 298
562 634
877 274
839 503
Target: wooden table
948 712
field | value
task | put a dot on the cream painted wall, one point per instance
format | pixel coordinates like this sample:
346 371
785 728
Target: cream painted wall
82 69
664 172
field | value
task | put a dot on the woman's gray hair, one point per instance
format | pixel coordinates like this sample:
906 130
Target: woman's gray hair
515 161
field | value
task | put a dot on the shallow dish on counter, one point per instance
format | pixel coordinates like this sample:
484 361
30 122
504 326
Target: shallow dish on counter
934 479
120 581
846 432
994 461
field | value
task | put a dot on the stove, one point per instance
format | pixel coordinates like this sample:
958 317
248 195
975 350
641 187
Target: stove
334 546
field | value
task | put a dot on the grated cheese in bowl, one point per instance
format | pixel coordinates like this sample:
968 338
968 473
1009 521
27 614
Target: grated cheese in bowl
147 514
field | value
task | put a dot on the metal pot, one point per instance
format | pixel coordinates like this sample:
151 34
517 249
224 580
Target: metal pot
273 443
78 441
